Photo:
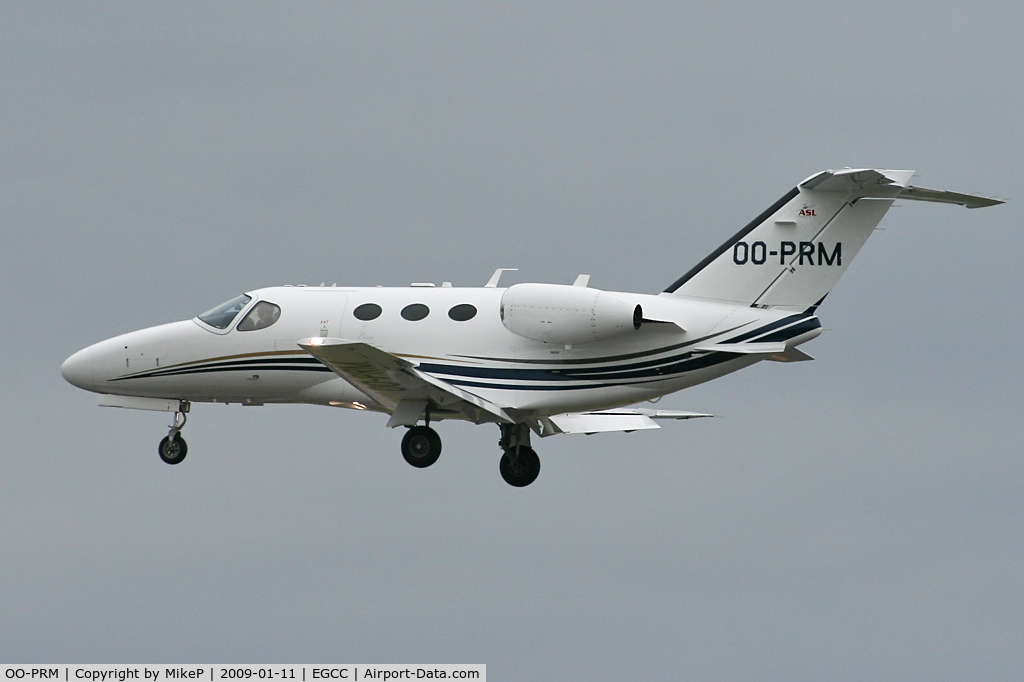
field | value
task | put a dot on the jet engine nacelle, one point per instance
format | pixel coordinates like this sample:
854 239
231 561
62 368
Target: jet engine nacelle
558 313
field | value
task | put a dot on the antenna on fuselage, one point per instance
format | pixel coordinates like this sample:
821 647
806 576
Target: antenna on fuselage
493 281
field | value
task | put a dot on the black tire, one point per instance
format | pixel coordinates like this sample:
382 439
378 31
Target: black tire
520 470
421 446
172 451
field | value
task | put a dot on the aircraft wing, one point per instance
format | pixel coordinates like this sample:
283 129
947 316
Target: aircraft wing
396 384
623 419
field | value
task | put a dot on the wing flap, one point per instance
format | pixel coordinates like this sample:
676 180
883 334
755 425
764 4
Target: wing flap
465 396
745 348
579 422
625 419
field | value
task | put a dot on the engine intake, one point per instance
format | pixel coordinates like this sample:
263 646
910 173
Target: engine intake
557 313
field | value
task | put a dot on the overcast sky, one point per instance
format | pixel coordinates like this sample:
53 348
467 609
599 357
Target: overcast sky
858 517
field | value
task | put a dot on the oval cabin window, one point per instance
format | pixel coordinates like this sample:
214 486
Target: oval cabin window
415 311
367 311
462 312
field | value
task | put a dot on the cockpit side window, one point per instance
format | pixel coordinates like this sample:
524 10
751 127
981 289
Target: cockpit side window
222 316
262 315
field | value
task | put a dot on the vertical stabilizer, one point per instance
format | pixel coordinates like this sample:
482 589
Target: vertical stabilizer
792 254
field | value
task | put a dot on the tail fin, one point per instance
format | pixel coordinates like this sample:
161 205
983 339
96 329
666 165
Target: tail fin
791 255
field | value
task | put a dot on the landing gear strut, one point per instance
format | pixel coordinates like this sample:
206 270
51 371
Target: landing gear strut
421 445
172 448
520 464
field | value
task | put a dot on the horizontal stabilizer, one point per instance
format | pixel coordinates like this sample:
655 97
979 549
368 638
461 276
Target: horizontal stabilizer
745 348
847 180
603 421
942 197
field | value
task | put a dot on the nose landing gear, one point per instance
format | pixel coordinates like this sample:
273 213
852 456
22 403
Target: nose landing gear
172 448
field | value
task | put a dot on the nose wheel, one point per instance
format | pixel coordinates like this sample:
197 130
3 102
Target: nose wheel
172 448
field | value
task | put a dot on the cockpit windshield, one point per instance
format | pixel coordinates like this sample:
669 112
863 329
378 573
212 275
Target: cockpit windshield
222 316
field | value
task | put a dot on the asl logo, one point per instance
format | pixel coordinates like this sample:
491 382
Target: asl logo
808 211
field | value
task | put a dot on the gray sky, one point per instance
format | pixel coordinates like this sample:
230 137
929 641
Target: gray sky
859 517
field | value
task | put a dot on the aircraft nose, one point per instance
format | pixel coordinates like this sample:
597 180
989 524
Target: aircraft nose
75 370
81 369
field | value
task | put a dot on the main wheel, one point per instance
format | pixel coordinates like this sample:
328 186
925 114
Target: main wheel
421 446
173 451
519 468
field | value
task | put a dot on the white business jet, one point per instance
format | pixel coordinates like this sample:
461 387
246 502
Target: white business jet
535 359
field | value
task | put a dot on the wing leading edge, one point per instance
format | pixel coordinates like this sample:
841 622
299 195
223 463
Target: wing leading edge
397 385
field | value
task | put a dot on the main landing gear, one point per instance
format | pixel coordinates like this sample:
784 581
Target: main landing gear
172 448
520 464
421 445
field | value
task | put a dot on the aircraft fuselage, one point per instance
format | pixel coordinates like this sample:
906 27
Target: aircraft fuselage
194 361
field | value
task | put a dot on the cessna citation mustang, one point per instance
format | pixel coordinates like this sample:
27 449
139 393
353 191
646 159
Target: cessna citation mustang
535 359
